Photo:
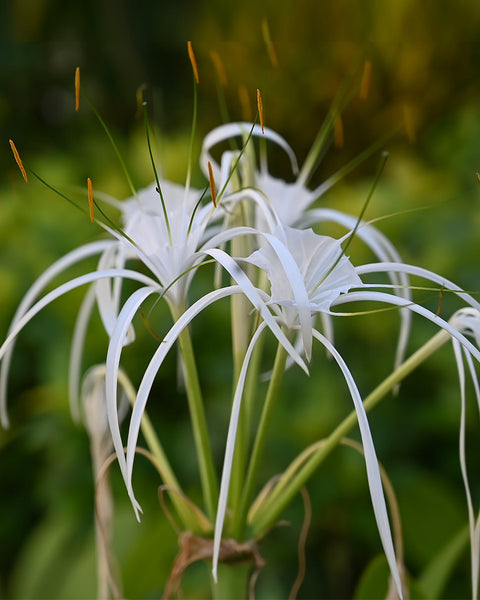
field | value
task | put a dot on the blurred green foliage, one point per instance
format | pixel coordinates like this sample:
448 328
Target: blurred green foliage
424 56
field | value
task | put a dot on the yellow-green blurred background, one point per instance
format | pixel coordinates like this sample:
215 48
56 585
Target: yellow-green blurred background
425 57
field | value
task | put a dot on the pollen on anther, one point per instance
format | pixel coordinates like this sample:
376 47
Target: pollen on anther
18 160
90 199
77 88
212 184
191 56
260 109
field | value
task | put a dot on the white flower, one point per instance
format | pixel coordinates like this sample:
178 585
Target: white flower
289 204
309 273
167 238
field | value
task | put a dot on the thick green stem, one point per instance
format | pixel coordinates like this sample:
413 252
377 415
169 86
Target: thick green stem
276 503
239 517
199 423
232 581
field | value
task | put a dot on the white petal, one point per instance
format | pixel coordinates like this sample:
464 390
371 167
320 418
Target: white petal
47 276
152 370
20 323
76 352
253 295
371 462
230 130
395 300
229 450
115 346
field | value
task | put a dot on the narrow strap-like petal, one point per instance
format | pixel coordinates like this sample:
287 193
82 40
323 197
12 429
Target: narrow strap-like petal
371 462
229 449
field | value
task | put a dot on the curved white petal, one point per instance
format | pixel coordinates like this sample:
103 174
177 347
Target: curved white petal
76 351
299 290
383 249
57 293
371 463
395 300
45 278
108 291
230 130
474 539
124 320
151 372
229 449
253 295
425 273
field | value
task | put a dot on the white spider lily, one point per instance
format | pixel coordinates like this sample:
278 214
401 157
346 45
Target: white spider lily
167 238
289 204
123 323
168 250
309 274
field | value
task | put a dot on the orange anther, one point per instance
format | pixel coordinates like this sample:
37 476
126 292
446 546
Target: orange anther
268 42
245 103
218 64
90 199
260 109
366 78
212 184
18 160
191 55
77 88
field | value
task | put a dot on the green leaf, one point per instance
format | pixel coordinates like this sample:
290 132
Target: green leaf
433 580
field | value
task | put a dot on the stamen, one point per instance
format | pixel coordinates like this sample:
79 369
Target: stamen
219 68
268 42
18 160
260 109
245 103
90 199
212 184
191 55
366 78
77 88
338 132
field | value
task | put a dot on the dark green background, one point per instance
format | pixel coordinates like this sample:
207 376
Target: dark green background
424 56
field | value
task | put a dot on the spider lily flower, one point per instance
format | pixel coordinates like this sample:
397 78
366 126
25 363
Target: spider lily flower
168 249
166 233
310 274
289 204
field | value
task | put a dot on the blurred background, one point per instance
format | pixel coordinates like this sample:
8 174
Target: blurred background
425 58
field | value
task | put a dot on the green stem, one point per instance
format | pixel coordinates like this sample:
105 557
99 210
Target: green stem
284 492
239 517
199 423
232 581
184 511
